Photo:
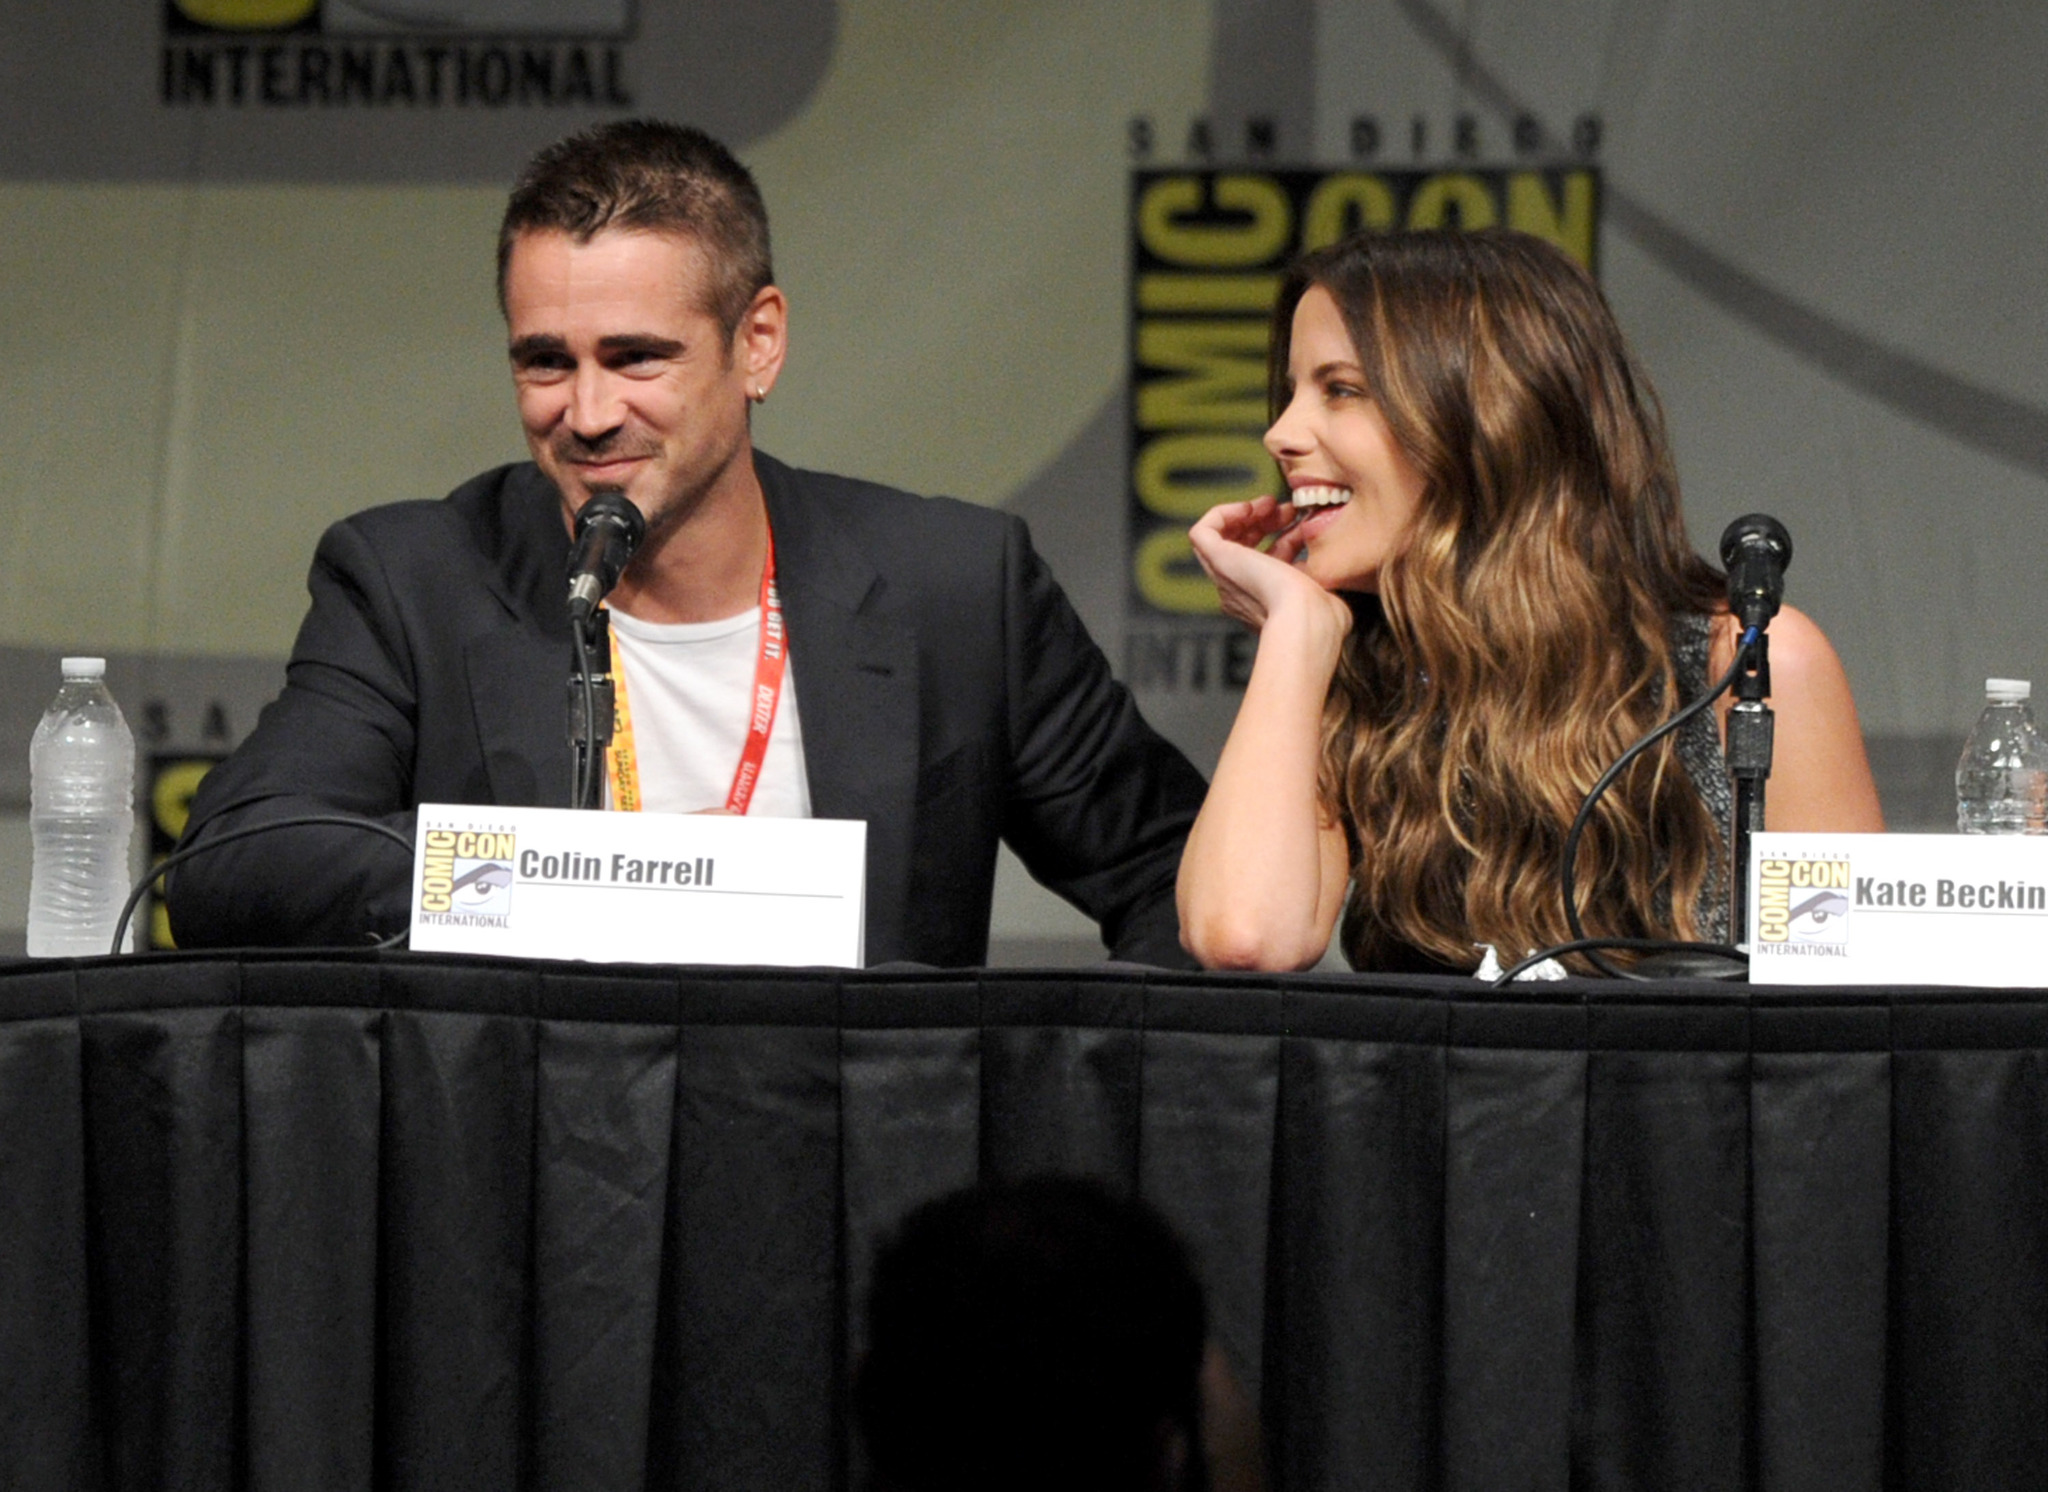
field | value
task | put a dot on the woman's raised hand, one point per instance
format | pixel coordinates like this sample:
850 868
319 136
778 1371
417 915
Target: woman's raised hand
1264 875
1253 583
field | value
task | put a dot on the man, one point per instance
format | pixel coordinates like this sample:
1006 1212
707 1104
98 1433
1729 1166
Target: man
938 685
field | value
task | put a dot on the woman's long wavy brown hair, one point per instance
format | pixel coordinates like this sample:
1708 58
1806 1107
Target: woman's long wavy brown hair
1523 636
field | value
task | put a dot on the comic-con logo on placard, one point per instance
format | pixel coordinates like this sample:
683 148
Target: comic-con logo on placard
1802 901
396 53
466 877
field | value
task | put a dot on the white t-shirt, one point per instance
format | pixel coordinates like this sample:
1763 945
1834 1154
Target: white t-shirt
690 690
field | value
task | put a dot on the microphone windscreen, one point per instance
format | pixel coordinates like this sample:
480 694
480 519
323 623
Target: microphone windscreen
1751 530
611 506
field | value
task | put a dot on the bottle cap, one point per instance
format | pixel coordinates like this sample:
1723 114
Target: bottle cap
2008 690
85 668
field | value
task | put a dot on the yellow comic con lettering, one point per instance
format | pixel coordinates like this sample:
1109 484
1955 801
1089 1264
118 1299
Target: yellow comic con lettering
1456 193
1222 368
170 796
160 926
483 846
1171 578
1774 901
1566 220
1345 203
1207 294
1825 875
247 15
1262 236
437 871
1184 476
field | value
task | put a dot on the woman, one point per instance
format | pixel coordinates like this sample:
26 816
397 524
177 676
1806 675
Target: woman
1478 594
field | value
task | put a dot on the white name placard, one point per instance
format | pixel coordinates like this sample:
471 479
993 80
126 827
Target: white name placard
660 888
1968 909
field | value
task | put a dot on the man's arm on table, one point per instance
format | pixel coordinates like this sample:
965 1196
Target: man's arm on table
1099 805
339 739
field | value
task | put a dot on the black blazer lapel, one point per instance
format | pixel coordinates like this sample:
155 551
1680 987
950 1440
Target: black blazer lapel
856 673
518 687
518 673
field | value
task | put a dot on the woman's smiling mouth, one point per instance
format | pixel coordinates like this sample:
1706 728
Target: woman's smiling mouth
1319 495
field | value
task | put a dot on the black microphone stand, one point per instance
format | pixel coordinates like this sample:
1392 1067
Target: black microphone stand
590 709
1750 730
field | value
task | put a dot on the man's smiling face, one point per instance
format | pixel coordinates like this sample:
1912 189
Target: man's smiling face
624 377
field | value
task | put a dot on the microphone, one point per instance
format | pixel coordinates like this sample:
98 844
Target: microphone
1755 550
608 529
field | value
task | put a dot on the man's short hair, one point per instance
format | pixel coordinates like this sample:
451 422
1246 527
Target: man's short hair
651 176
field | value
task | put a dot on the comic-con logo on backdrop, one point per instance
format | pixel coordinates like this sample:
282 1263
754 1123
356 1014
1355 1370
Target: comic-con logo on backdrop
396 53
1207 252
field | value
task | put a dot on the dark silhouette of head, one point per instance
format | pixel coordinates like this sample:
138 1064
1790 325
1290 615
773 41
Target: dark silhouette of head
1040 1334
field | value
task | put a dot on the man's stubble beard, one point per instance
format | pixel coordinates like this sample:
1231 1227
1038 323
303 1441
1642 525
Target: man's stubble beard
670 507
567 447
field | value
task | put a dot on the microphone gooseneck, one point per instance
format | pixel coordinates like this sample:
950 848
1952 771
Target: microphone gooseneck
608 529
1755 550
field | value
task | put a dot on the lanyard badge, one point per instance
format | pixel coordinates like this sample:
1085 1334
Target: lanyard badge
622 766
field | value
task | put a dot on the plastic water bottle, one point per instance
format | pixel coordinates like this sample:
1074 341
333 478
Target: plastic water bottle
81 769
2002 779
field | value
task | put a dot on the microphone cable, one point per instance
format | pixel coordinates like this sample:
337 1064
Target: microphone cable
248 831
1568 863
608 529
582 771
1588 946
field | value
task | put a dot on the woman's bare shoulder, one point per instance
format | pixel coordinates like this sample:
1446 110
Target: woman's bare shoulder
1821 778
1801 654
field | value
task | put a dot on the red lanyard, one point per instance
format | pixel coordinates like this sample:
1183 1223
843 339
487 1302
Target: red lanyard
620 761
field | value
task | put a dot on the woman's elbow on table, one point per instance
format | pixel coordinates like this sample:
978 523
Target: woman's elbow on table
1223 941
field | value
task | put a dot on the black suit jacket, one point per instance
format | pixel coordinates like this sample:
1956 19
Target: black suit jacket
950 698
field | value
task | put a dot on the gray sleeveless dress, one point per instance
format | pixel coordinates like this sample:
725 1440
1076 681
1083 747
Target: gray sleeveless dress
1699 750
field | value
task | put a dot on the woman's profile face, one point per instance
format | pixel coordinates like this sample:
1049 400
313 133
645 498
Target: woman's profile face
1338 456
